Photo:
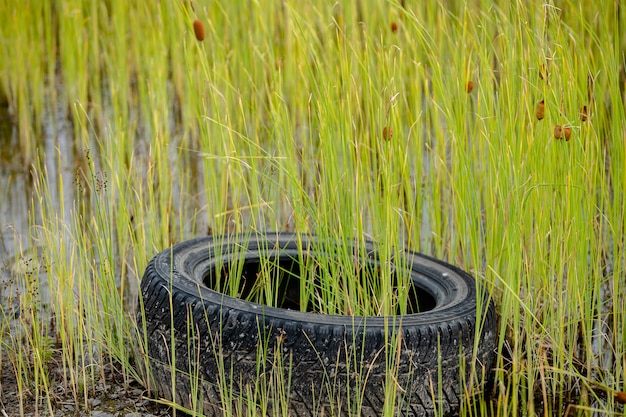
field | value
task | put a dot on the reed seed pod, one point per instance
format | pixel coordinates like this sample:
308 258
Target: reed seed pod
541 110
584 113
567 132
543 72
387 133
394 27
558 132
470 87
198 29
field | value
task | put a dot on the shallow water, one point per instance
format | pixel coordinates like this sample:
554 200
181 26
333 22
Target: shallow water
22 264
14 181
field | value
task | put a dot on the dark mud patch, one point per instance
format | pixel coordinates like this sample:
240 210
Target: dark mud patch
112 395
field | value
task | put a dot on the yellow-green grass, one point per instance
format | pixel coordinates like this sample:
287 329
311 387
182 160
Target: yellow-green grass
276 121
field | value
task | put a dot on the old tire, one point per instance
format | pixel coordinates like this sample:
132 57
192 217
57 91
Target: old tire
338 365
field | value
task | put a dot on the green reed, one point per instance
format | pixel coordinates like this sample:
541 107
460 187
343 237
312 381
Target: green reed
323 118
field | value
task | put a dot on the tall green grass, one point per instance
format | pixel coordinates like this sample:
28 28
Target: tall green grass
276 121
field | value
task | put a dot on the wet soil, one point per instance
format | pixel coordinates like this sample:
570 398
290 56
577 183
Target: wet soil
112 396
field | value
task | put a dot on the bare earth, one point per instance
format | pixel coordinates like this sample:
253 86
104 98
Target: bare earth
113 397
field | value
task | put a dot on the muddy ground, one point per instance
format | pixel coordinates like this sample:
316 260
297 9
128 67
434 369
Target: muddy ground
112 397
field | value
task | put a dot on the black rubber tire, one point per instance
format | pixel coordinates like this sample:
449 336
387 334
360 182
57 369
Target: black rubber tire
338 363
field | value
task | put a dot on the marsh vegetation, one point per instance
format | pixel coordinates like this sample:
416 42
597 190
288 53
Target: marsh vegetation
488 134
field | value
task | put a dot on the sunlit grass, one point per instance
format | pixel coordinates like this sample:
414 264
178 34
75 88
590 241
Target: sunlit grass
322 118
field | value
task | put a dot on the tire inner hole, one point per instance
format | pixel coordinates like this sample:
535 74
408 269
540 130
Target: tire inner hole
285 273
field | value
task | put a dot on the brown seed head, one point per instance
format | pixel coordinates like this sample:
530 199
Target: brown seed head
543 72
387 133
541 110
567 131
198 30
558 132
394 27
584 113
470 87
620 397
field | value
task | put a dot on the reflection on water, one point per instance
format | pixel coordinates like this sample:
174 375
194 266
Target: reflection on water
19 208
15 189
63 165
19 202
13 182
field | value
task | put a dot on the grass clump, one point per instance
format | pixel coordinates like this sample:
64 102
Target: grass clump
413 125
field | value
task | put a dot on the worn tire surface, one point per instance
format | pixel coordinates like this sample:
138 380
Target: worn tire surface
338 364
